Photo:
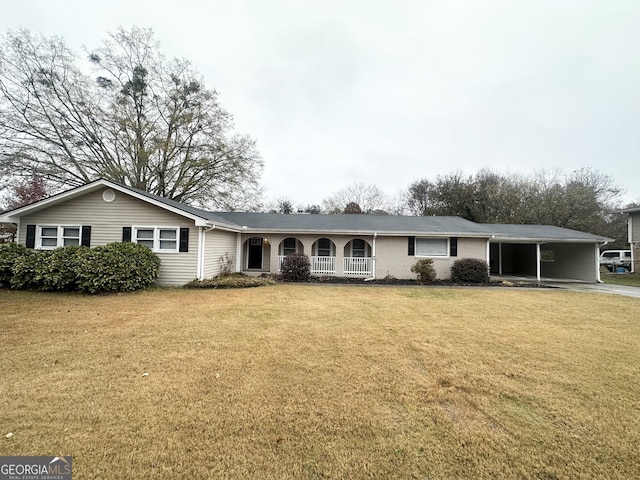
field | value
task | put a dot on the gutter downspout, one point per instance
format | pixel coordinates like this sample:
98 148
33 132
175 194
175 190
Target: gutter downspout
373 259
489 253
631 243
201 244
598 277
538 260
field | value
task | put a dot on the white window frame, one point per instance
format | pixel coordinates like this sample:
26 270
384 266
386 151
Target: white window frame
156 237
59 236
445 255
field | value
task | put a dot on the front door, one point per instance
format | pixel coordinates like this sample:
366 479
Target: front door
255 253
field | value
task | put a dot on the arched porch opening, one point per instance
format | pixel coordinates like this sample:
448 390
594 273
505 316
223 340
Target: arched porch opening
288 246
323 257
256 253
357 258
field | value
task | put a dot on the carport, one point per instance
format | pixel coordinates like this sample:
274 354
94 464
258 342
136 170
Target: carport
544 251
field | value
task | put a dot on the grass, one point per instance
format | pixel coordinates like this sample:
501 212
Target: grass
629 279
323 381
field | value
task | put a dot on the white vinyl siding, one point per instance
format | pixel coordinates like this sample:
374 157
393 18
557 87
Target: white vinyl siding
107 219
432 247
634 230
218 244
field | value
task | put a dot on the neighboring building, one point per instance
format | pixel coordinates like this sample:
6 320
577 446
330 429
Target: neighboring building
195 243
633 223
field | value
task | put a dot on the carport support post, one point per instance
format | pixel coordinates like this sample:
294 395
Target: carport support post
538 259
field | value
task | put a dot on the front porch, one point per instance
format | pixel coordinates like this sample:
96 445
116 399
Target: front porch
350 257
358 266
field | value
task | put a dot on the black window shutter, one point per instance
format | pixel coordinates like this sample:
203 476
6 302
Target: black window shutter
85 241
126 234
31 236
184 240
412 246
453 246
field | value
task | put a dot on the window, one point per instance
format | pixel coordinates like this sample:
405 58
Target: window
324 247
54 236
358 248
547 256
432 247
289 246
158 239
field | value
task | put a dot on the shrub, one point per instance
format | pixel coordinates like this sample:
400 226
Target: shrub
60 270
28 269
231 280
470 270
423 268
117 267
296 268
9 253
226 264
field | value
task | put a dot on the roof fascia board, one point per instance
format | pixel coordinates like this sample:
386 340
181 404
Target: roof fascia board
420 233
547 240
13 215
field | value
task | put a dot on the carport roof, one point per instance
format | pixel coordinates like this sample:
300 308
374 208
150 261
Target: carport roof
541 233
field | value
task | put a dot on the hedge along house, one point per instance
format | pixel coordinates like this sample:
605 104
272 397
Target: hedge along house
195 243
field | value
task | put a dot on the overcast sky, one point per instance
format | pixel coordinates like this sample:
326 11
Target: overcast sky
388 92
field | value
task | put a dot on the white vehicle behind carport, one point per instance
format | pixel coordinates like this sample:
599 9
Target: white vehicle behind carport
612 259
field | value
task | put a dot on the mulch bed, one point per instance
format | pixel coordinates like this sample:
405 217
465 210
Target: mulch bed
409 282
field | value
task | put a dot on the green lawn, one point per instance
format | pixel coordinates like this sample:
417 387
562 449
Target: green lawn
324 381
630 279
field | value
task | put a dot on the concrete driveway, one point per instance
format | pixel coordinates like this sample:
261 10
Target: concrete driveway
598 288
567 284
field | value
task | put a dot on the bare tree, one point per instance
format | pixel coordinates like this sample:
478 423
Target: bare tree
281 205
22 193
145 121
368 197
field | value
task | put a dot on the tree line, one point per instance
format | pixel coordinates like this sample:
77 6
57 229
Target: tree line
585 199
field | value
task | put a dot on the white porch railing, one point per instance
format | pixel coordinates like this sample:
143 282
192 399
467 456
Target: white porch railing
323 265
319 265
358 265
327 265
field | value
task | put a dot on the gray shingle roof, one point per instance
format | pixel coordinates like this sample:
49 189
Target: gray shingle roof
355 223
541 233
